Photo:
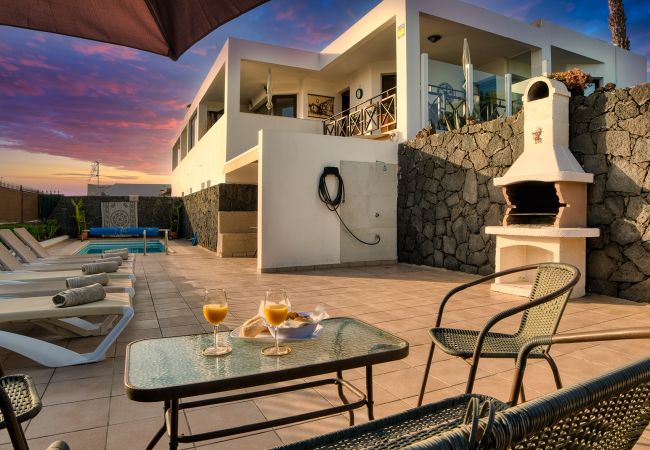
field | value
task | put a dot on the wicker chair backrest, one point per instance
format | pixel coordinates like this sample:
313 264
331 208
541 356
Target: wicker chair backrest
610 411
545 318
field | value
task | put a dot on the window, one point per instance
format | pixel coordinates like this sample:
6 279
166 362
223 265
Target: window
283 105
191 133
213 116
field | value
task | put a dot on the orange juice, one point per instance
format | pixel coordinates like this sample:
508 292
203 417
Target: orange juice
215 312
275 314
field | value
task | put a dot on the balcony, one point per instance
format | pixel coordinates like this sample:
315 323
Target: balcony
373 117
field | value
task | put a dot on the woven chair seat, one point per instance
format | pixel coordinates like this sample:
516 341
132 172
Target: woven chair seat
459 342
24 398
399 430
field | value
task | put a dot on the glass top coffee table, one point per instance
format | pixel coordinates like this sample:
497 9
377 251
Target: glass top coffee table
168 369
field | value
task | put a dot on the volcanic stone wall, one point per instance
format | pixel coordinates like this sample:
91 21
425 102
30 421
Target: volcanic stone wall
202 207
152 211
610 137
446 196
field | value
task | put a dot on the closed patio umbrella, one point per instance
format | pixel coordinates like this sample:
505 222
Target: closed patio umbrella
469 79
269 95
165 27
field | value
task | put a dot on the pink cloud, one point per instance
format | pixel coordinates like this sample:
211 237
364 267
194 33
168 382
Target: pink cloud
106 51
21 87
287 14
8 65
37 63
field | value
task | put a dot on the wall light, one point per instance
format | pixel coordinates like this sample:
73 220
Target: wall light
434 38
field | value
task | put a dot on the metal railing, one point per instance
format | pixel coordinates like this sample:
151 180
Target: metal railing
375 116
446 104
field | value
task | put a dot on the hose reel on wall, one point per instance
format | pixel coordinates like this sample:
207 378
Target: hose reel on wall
333 204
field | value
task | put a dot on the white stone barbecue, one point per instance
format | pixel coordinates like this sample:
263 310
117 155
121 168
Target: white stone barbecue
546 194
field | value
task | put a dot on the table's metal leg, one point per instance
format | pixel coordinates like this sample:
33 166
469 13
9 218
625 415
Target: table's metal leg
371 414
173 425
342 396
161 432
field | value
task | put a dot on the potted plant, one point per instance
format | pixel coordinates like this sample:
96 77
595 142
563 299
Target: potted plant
80 218
175 219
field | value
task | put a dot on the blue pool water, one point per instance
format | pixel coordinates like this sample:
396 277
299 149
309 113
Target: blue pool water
93 248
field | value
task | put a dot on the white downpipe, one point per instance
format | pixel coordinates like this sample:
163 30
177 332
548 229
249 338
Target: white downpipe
469 90
424 90
508 89
144 235
545 65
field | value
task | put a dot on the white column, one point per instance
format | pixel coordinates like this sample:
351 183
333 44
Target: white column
201 120
540 62
408 70
469 90
424 90
508 90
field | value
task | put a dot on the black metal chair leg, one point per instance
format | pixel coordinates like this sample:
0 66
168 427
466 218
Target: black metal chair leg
554 369
522 394
426 374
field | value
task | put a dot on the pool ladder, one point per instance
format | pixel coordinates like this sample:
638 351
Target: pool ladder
144 236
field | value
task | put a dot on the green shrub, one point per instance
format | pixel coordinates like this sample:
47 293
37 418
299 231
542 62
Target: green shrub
41 231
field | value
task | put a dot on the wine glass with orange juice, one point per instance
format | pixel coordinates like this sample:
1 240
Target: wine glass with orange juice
276 308
215 310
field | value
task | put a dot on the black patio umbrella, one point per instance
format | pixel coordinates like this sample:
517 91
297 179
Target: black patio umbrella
165 27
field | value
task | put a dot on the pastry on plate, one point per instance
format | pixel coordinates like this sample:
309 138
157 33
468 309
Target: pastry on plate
253 327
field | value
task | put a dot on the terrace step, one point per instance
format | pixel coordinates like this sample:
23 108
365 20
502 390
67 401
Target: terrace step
237 234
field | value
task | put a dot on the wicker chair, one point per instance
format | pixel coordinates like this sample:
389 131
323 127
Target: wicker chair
610 411
541 316
19 402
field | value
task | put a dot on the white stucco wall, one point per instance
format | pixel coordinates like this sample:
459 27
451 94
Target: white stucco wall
243 129
204 162
294 226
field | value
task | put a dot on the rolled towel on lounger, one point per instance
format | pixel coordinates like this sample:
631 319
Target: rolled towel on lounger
87 280
99 267
117 259
123 252
79 296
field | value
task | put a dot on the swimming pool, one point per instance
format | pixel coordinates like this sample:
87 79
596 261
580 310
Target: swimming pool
93 248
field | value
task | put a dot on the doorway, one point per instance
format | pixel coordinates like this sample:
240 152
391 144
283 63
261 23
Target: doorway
387 116
388 81
345 100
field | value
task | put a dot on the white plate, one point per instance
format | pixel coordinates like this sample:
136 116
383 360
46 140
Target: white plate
236 334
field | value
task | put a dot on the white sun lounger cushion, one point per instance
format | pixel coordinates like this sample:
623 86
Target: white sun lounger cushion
79 296
122 252
117 259
87 280
99 267
41 308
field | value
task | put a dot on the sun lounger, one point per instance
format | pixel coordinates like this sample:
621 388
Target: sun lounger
10 262
14 289
41 311
31 251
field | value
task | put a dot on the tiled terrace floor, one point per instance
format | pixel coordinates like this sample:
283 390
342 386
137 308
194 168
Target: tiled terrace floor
86 406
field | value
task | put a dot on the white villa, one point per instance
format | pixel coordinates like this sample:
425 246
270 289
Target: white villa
390 74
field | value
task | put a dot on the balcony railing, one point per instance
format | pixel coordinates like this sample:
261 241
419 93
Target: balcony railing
375 116
447 104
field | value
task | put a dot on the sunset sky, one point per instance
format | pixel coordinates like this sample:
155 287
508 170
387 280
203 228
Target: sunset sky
65 102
